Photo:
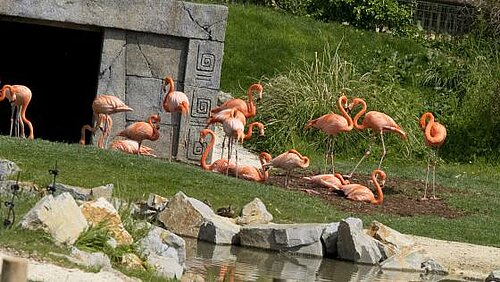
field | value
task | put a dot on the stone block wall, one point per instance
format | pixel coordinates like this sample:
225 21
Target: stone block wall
143 41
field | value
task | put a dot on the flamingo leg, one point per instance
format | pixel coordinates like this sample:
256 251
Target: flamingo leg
424 198
384 152
433 197
223 147
229 153
236 152
367 153
332 154
171 145
12 111
139 147
106 131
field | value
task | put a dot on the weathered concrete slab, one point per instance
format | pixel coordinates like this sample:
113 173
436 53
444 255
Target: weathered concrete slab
183 19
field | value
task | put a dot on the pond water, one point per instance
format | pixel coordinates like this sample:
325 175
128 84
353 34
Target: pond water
250 264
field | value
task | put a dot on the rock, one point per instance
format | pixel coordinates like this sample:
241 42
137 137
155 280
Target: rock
59 216
132 261
101 210
354 245
329 238
254 212
8 168
24 187
494 276
165 250
430 266
184 215
407 259
85 194
95 260
220 230
223 97
392 240
156 202
292 238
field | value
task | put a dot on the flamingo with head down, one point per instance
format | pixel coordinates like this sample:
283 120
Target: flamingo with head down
102 107
220 165
358 192
19 97
252 173
434 135
288 161
330 181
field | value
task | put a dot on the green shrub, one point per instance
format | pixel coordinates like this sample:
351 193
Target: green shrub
367 14
308 91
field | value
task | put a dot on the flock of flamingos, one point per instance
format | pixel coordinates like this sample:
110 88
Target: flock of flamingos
233 115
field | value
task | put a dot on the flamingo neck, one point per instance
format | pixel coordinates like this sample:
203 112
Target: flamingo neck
249 133
380 195
423 120
341 178
203 160
358 115
264 158
2 92
340 101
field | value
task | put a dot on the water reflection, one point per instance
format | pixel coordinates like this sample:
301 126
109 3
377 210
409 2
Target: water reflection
250 264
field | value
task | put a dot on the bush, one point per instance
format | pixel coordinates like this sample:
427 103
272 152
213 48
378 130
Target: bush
367 14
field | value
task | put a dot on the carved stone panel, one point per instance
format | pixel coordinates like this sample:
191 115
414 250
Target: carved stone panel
204 63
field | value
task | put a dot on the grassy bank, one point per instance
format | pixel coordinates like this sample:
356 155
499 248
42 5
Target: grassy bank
473 186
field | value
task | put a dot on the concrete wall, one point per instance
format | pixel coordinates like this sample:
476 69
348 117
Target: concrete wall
143 42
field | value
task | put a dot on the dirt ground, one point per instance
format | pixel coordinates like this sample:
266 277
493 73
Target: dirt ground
401 196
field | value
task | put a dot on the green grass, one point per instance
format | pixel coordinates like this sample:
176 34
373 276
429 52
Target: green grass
135 177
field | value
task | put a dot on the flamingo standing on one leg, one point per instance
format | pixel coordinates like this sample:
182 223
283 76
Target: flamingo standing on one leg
19 97
140 131
131 147
234 129
330 181
378 122
288 161
220 165
247 108
358 192
434 135
174 101
105 105
332 124
252 173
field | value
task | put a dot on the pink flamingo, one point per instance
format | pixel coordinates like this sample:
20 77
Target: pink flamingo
252 173
379 123
220 165
220 117
288 161
19 97
140 131
105 124
105 105
434 136
358 192
174 101
332 124
330 181
131 147
248 107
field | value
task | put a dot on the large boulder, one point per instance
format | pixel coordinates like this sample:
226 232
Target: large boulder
408 259
102 211
354 245
393 241
292 238
494 276
60 216
164 250
193 218
85 194
254 212
329 237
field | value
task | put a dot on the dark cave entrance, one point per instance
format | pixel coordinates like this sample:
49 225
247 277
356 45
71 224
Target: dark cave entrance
60 66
